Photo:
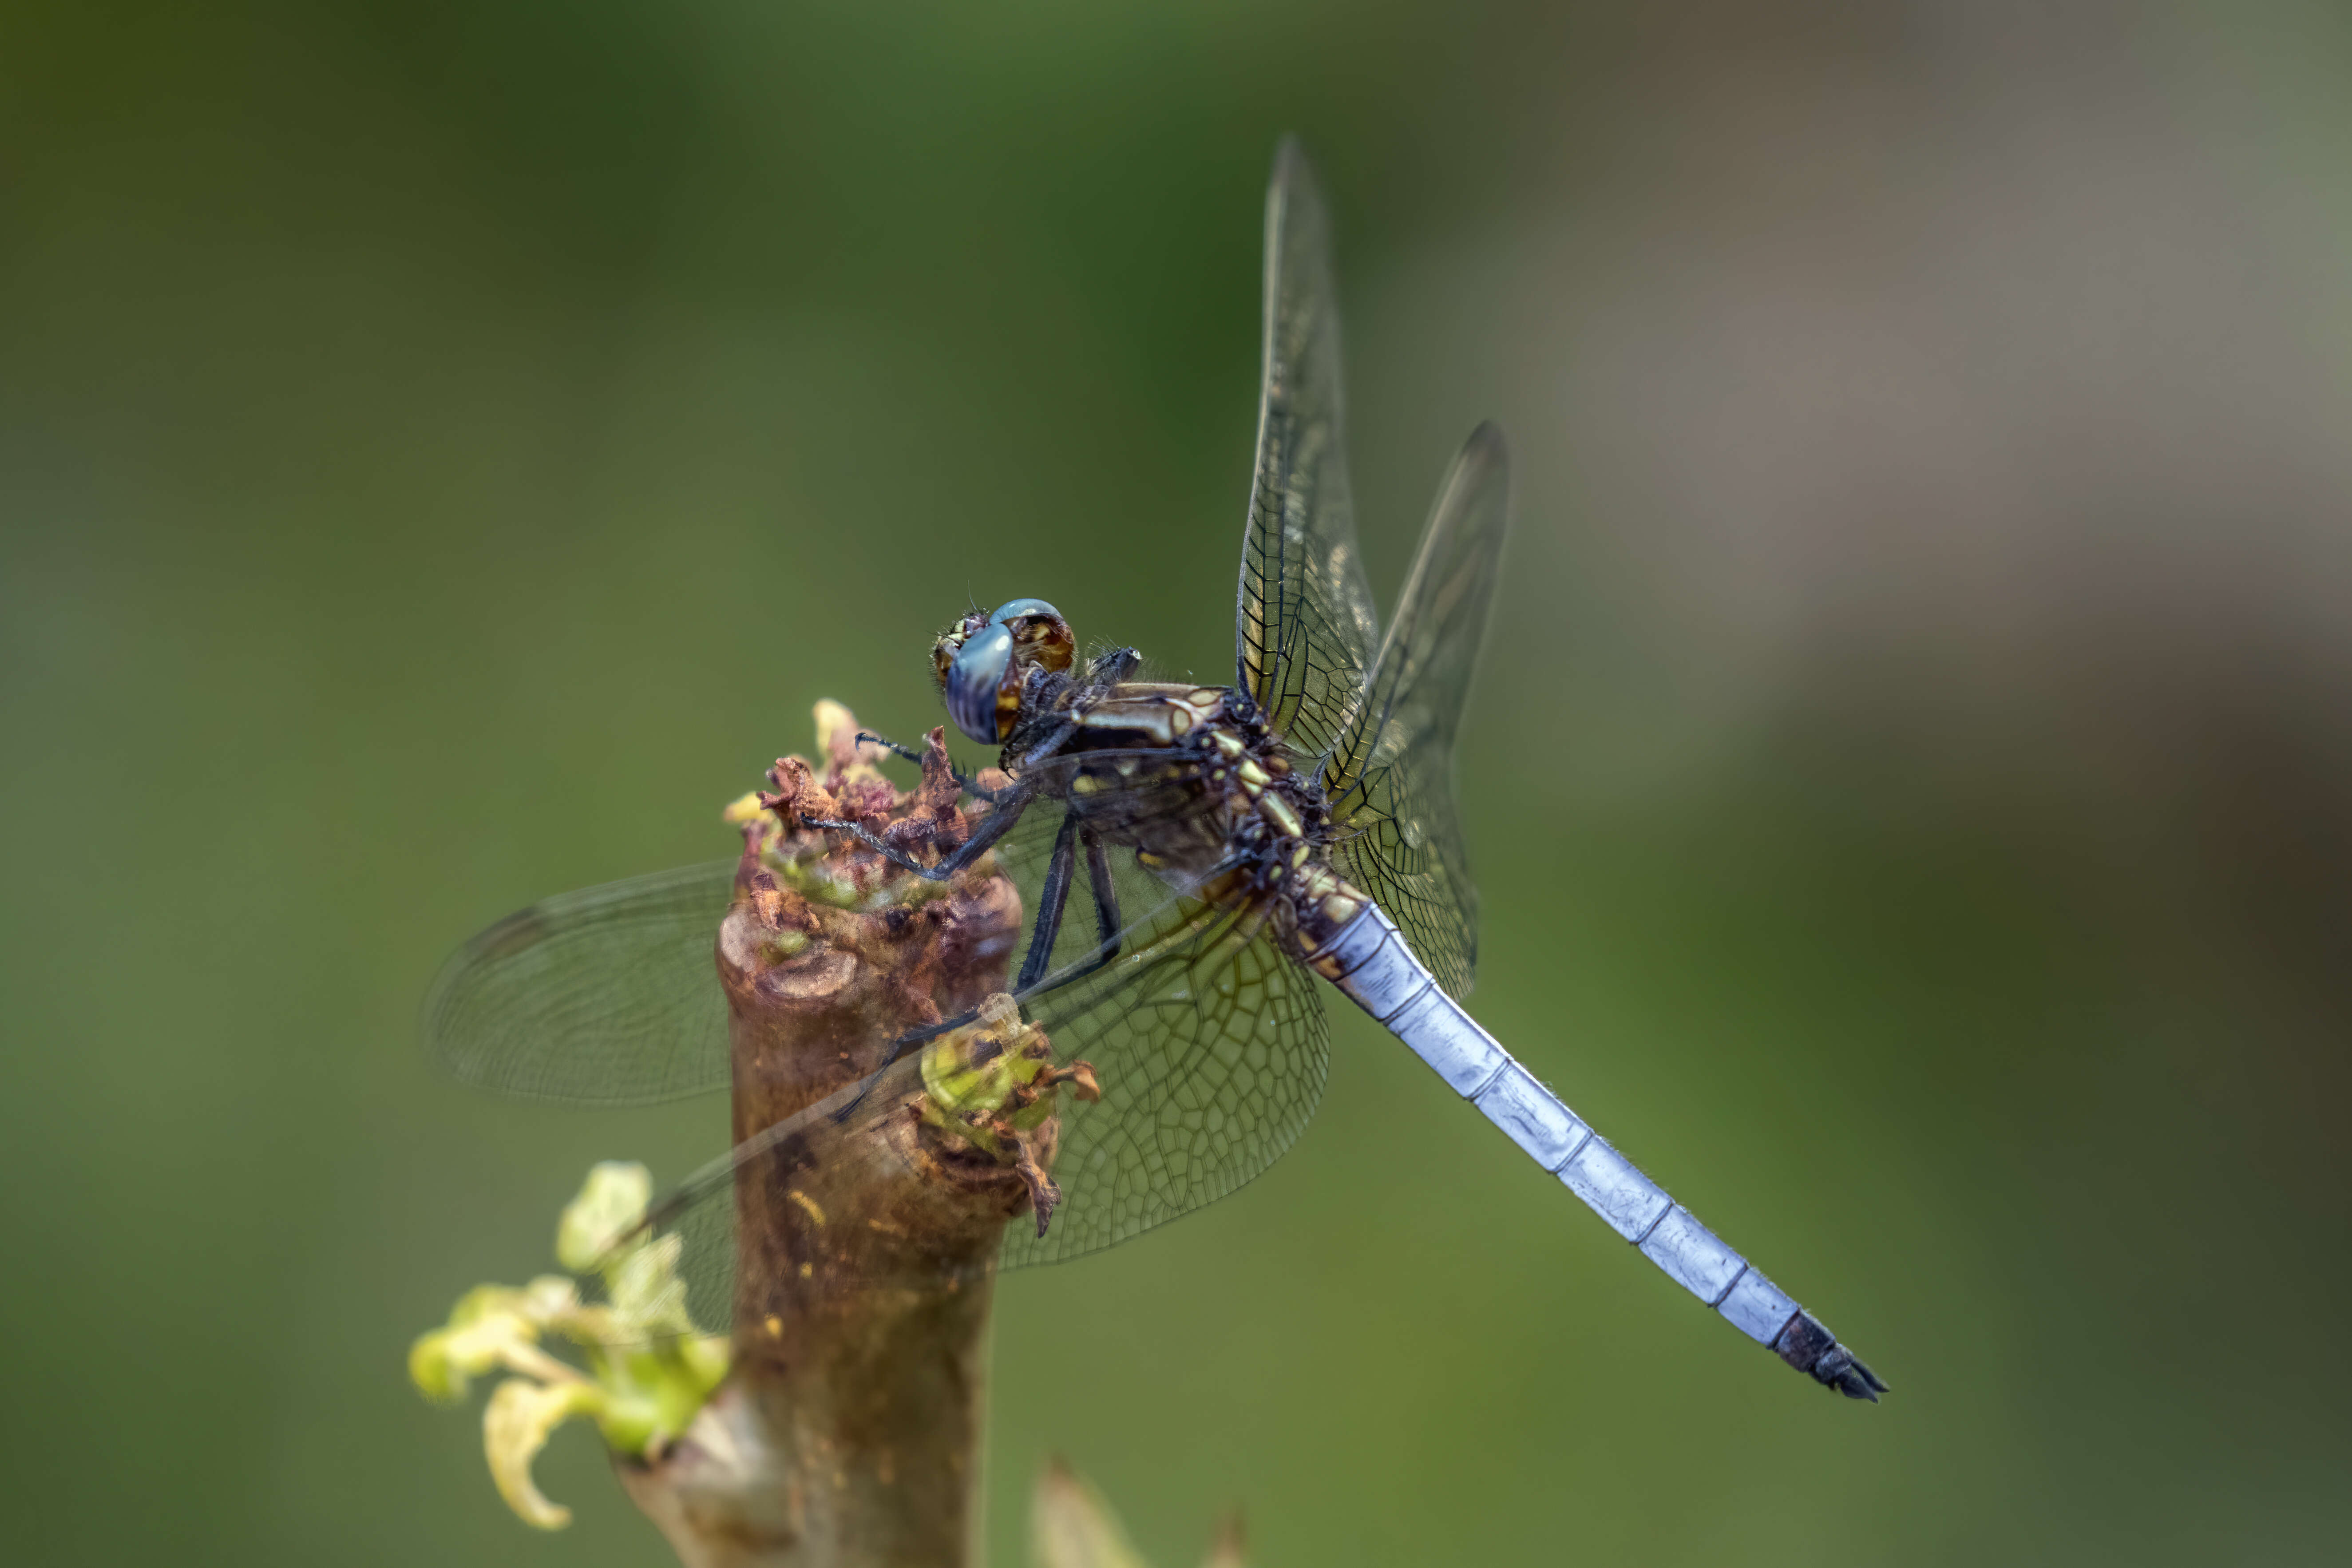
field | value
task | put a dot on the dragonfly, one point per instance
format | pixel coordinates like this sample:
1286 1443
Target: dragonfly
1242 847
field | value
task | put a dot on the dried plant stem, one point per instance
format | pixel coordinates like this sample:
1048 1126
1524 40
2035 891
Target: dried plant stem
847 1431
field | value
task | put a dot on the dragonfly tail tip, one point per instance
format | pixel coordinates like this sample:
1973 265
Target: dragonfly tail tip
1843 1371
1812 1350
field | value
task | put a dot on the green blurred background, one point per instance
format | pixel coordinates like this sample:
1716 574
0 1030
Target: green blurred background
445 449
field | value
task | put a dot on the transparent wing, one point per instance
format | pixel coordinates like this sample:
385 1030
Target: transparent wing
609 995
1306 625
1390 778
1210 1048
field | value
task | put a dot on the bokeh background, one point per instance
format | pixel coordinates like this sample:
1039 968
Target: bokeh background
446 449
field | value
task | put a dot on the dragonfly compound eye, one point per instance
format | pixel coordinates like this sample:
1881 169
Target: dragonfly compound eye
950 643
1039 635
977 678
1015 609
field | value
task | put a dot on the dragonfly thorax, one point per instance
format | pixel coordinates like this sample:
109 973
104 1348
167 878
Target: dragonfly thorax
1191 778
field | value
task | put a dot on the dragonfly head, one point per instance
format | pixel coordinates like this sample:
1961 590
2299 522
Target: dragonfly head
983 662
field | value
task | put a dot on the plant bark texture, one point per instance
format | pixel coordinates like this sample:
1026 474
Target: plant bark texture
848 1430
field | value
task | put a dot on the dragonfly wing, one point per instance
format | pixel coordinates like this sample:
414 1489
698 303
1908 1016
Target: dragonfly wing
610 996
1209 1045
1210 1048
1390 778
1305 620
605 996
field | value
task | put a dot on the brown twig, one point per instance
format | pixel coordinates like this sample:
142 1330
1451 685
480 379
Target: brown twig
847 1429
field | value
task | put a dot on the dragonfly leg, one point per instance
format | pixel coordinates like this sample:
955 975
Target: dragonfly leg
1106 919
1038 744
968 783
998 824
1054 897
907 753
1051 900
1107 925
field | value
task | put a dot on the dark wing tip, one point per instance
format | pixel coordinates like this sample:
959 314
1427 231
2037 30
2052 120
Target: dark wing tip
1485 458
1488 442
